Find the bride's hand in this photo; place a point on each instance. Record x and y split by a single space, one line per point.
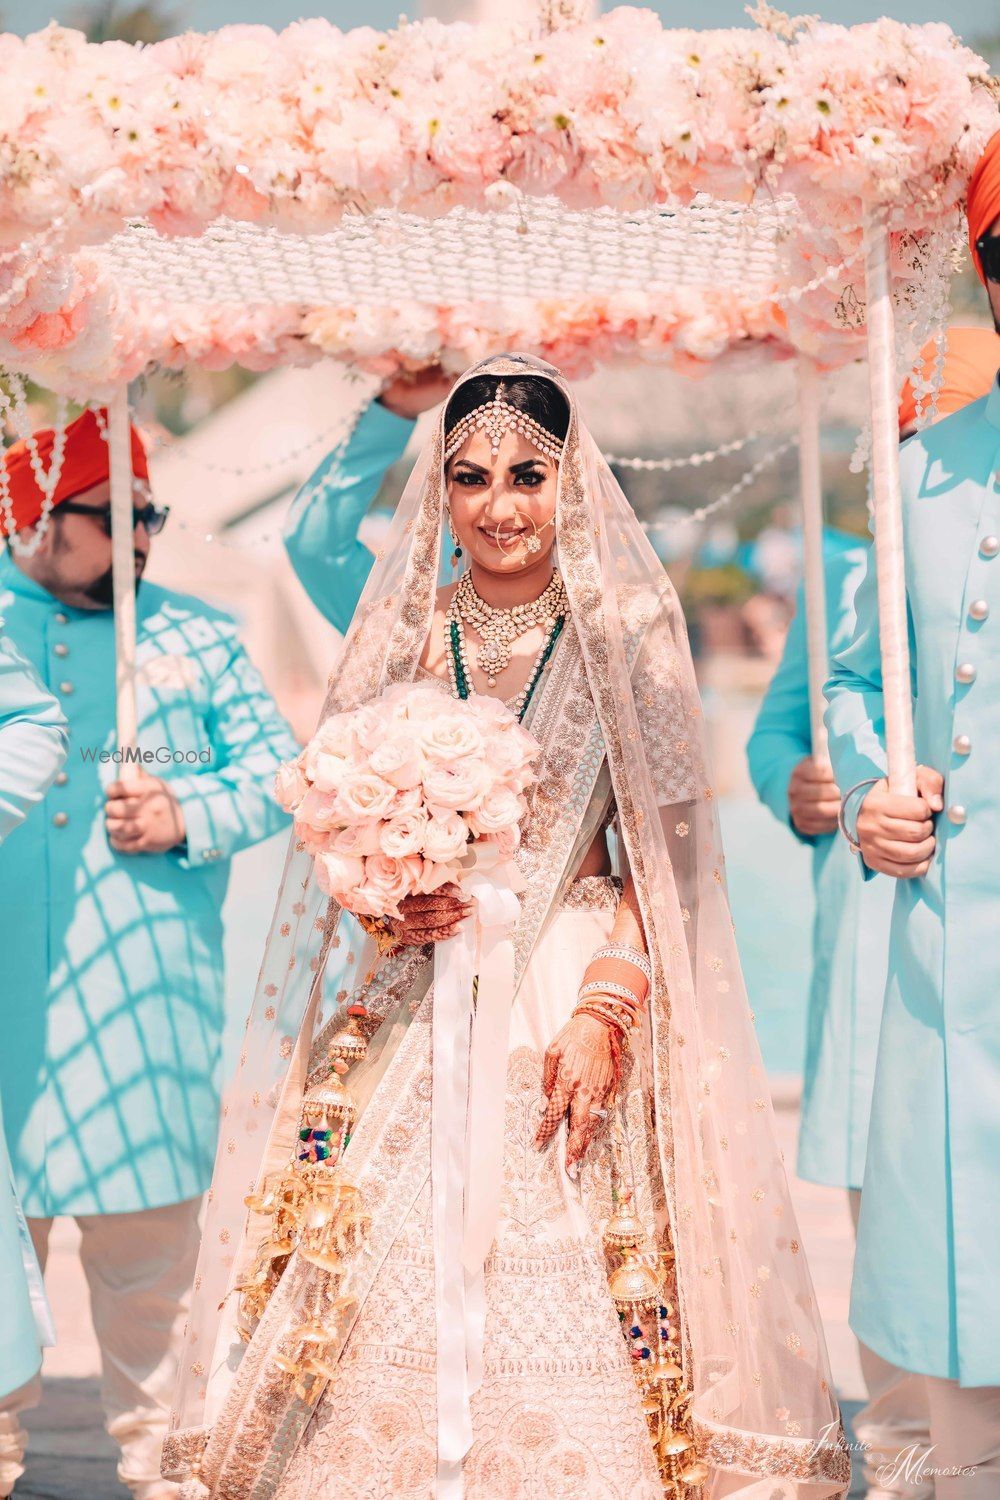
430 919
579 1075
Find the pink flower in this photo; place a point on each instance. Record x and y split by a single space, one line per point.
450 737
445 837
358 839
500 809
399 761
339 876
404 835
457 786
363 795
319 810
290 784
507 840
387 882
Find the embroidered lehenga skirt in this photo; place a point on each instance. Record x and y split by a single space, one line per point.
558 1413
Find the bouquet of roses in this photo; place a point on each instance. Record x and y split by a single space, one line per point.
388 797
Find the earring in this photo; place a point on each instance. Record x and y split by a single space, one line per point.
457 552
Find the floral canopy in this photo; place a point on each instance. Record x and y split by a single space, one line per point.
437 191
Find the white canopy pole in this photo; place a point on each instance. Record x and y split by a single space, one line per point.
888 509
811 491
123 576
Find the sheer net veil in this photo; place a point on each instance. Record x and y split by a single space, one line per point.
763 1407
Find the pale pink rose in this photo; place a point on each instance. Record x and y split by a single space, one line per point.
406 802
328 769
404 835
445 838
433 876
290 784
459 785
319 810
399 761
451 737
507 840
339 876
359 839
364 795
510 754
500 808
387 882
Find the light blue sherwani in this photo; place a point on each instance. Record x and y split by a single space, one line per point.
112 1006
32 749
321 532
851 926
926 1290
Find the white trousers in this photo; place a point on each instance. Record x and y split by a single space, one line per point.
139 1269
894 1422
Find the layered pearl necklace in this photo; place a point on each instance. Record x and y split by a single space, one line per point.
499 629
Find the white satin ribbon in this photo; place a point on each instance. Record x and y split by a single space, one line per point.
468 1072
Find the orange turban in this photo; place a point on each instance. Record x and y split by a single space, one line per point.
85 463
971 361
984 197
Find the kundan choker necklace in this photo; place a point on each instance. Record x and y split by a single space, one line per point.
499 628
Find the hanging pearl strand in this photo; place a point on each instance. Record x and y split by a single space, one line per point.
500 628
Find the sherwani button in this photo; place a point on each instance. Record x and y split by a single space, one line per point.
979 610
961 744
65 687
60 819
957 813
61 778
60 618
989 546
965 672
61 648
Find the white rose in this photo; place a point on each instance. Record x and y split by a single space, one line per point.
363 795
458 785
500 808
450 737
399 762
404 835
339 876
290 784
445 838
358 840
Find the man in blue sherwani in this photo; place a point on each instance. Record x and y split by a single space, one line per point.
112 1008
926 1293
32 749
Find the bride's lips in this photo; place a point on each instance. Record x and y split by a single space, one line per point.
503 538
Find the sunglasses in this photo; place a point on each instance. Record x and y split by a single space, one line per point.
988 249
153 517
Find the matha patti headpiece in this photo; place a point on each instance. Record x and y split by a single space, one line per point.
495 418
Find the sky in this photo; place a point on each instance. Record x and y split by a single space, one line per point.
970 18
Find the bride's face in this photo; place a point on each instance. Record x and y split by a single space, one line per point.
502 504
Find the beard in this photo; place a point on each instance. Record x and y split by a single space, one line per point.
102 591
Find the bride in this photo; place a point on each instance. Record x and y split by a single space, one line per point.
647 1323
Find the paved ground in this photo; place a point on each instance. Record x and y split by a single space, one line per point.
71 1458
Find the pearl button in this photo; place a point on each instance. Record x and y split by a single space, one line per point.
961 744
61 649
989 546
61 819
60 618
979 610
957 813
65 687
61 778
965 672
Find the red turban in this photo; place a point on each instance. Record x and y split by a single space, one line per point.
85 463
984 197
971 361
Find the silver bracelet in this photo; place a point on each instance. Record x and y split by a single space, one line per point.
627 955
853 844
600 987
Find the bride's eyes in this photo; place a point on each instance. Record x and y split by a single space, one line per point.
529 480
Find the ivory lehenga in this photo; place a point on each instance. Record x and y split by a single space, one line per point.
678 1236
